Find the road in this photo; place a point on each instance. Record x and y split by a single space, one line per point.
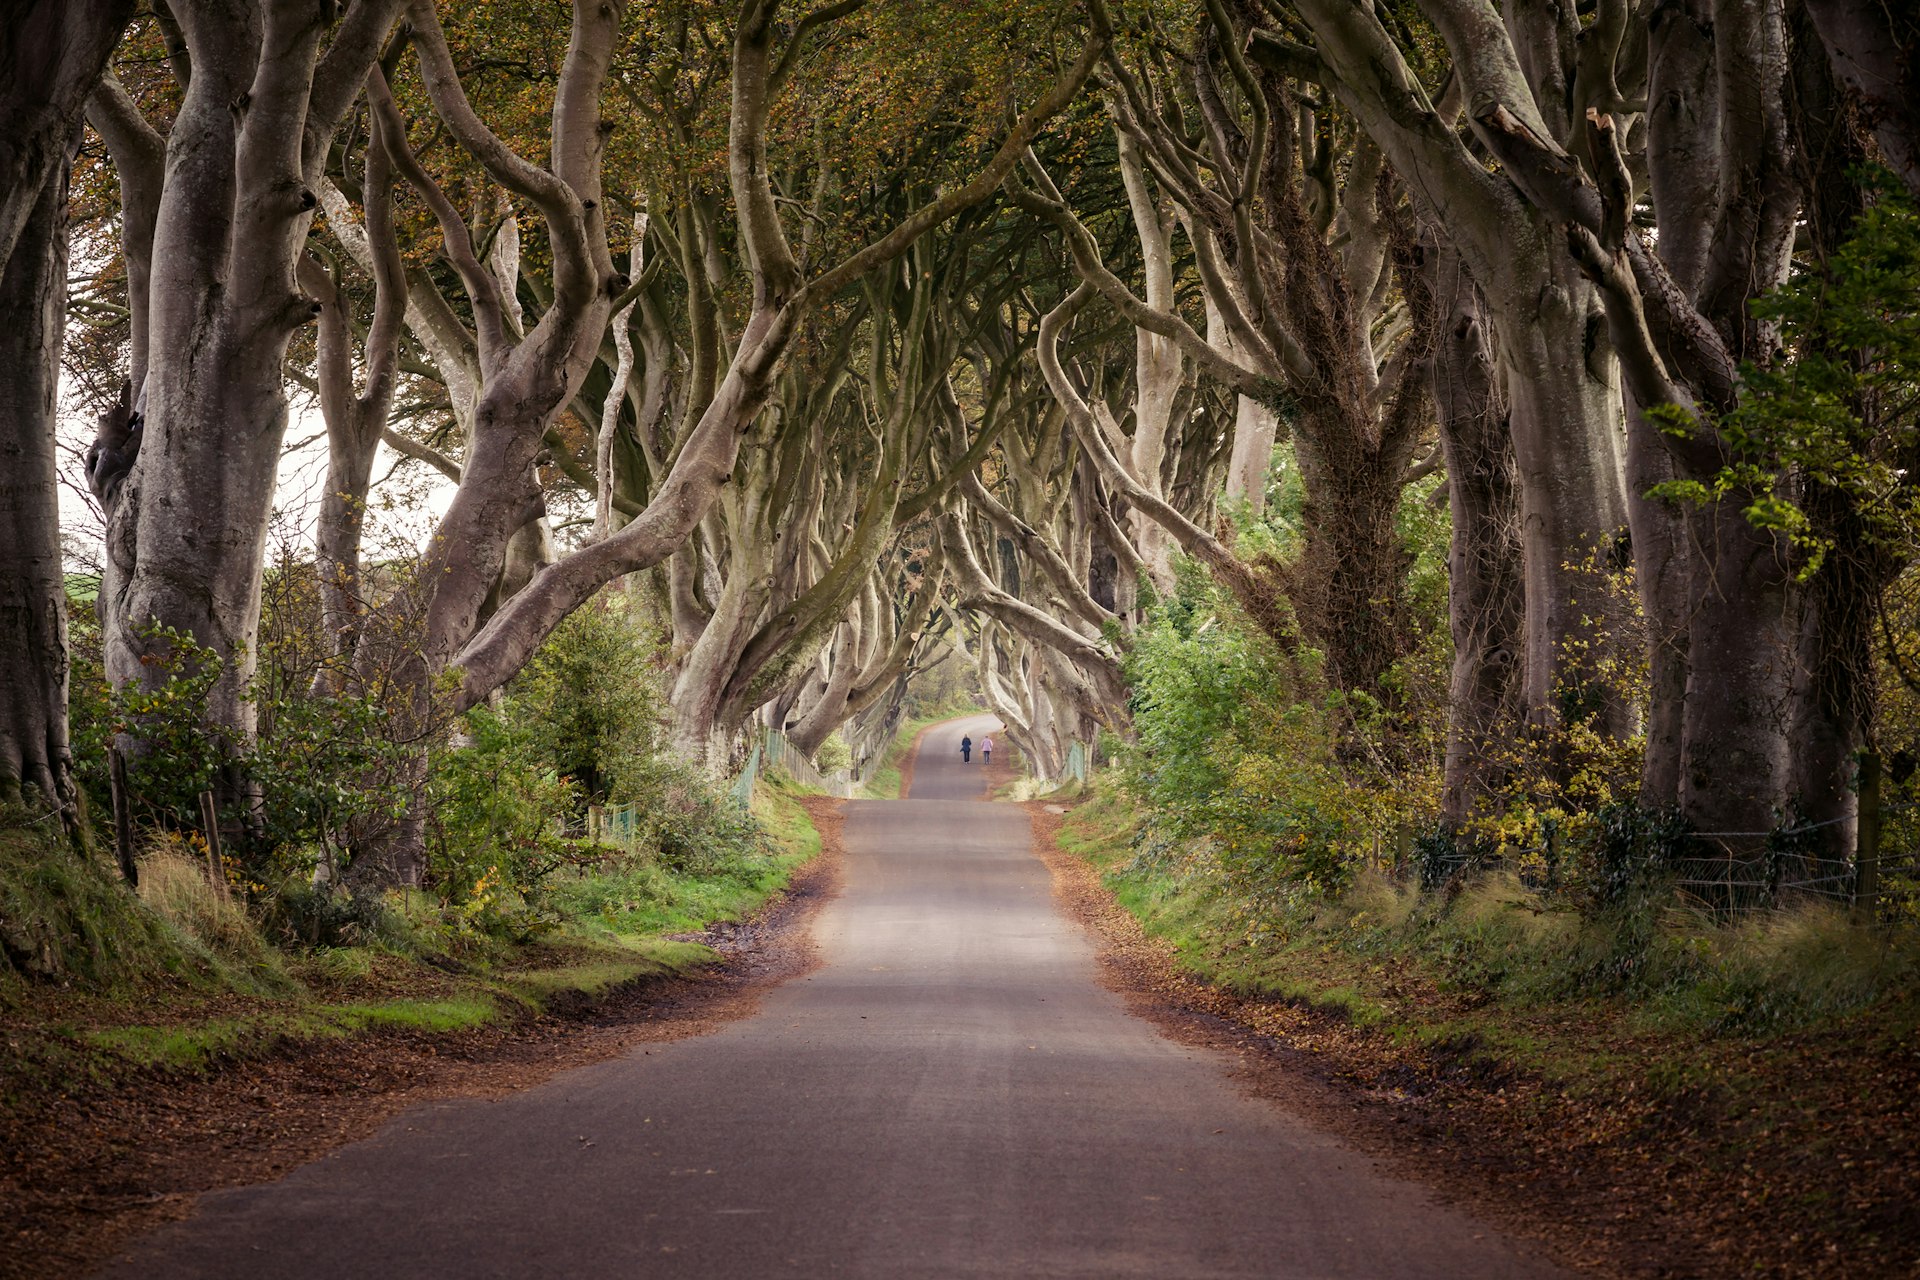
952 1093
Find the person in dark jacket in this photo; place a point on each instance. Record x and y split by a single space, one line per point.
966 749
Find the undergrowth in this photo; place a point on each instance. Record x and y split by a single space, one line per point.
181 976
1663 967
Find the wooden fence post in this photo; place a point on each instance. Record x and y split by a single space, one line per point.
210 827
1866 854
122 816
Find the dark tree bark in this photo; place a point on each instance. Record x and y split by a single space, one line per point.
1834 679
1485 594
52 54
1564 405
35 761
1875 48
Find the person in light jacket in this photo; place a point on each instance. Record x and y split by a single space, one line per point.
986 749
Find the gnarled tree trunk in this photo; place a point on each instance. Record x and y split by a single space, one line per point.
1485 594
36 765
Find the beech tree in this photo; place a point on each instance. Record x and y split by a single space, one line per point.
1564 407
827 377
53 54
213 289
783 294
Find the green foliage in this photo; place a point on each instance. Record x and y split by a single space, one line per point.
319 765
591 706
582 725
497 810
166 714
717 870
833 754
1839 412
1510 945
1290 786
325 764
68 918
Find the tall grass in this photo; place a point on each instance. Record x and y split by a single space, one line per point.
1675 968
66 917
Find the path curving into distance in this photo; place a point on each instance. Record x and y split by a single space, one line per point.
951 1093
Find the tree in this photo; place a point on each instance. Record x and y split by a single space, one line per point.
216 303
54 54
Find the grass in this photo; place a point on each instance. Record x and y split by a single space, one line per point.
64 916
102 983
1496 951
777 807
198 1046
1756 1077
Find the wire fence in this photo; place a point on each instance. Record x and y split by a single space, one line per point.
614 824
776 754
1079 765
1729 871
622 825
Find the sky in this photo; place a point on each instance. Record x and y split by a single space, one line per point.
302 474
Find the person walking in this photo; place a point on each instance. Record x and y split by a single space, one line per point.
986 750
966 749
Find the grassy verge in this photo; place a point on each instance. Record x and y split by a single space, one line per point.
203 990
1656 968
1756 1080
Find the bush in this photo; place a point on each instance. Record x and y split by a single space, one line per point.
582 724
320 765
1289 785
591 707
834 754
497 815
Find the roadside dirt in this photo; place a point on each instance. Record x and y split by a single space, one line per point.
1613 1186
98 1166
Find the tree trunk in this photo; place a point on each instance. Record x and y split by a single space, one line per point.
36 764
1485 594
1347 589
1875 47
1254 430
187 536
53 53
1741 648
698 697
1835 678
830 708
1834 681
1661 567
1566 443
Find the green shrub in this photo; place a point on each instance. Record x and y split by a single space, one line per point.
834 754
496 828
590 705
1291 786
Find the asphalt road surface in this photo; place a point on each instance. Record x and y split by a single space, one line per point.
951 1093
